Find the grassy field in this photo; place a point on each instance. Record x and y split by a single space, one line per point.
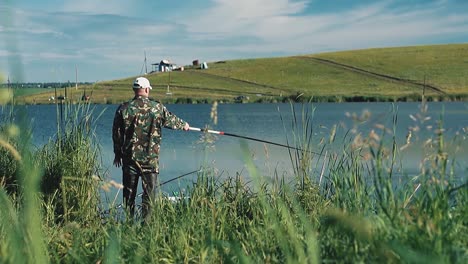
445 66
26 92
277 79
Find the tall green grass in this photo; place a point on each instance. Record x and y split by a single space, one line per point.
8 155
409 220
71 163
21 234
342 206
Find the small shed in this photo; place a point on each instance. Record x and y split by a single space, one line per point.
155 67
204 66
164 66
195 63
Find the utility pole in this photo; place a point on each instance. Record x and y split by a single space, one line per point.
168 92
9 86
146 66
76 78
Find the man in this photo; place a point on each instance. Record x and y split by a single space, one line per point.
136 134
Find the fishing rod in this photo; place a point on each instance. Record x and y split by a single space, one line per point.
249 138
178 177
161 184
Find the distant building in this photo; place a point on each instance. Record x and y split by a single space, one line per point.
164 66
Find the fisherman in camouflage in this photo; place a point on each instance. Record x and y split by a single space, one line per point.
136 134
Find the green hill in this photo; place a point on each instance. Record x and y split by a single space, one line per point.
383 74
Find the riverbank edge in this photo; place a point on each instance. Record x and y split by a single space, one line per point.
285 99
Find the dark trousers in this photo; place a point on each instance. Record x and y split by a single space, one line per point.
131 172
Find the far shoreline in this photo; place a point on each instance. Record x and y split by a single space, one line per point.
262 100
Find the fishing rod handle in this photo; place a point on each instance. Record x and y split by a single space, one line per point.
206 130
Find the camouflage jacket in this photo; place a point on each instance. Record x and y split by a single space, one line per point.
136 131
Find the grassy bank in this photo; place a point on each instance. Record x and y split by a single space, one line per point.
354 206
281 79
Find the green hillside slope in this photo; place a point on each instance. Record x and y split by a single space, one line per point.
445 66
402 73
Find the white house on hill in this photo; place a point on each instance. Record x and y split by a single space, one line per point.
165 66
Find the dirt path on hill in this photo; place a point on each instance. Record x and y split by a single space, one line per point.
374 74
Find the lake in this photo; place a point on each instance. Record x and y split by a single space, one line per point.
182 151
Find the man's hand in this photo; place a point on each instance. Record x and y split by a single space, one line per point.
186 127
117 161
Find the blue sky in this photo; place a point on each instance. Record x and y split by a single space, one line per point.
44 40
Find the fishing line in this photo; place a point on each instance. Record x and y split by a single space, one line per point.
249 138
158 186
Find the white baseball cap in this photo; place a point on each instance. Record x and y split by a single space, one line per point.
141 82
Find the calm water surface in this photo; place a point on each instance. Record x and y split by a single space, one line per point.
182 152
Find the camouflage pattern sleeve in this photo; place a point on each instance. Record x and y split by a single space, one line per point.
172 121
118 133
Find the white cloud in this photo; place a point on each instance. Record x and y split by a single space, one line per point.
5 53
227 16
279 26
151 30
28 23
114 7
246 9
112 35
37 30
55 56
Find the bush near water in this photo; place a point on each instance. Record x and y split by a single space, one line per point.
350 209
